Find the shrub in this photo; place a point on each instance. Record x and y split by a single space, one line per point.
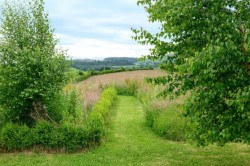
82 76
95 125
97 117
32 68
213 64
67 105
45 134
68 136
57 106
80 73
16 137
72 137
74 110
75 75
2 118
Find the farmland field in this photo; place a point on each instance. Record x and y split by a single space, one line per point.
129 141
91 88
95 81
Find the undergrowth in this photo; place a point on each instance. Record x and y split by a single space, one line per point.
71 133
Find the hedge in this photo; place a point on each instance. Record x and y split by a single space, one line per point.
64 136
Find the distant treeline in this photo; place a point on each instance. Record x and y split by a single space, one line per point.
112 63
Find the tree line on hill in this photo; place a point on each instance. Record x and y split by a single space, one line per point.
112 63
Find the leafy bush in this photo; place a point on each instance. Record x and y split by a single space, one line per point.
32 68
57 106
74 106
212 64
74 75
44 134
68 135
97 117
82 76
2 118
95 126
67 105
72 137
16 137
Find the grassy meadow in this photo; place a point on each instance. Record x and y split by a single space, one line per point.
91 88
140 130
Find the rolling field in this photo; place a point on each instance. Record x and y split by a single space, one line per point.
90 89
112 78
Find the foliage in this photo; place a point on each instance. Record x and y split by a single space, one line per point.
70 135
73 137
113 64
67 137
146 63
17 137
205 47
2 118
75 75
99 114
99 65
73 111
32 68
45 135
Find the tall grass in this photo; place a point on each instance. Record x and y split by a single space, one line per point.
163 115
128 88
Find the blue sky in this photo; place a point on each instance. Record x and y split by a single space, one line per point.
98 28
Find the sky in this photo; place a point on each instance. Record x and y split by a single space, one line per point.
95 29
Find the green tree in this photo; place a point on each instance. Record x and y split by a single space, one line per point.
32 68
209 41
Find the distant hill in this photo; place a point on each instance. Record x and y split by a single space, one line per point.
120 61
85 60
111 63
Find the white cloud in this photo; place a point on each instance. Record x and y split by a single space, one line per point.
94 29
98 49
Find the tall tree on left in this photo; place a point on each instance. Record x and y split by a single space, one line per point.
32 68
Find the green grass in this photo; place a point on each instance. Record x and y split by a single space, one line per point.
130 142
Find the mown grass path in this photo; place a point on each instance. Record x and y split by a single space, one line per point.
129 142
